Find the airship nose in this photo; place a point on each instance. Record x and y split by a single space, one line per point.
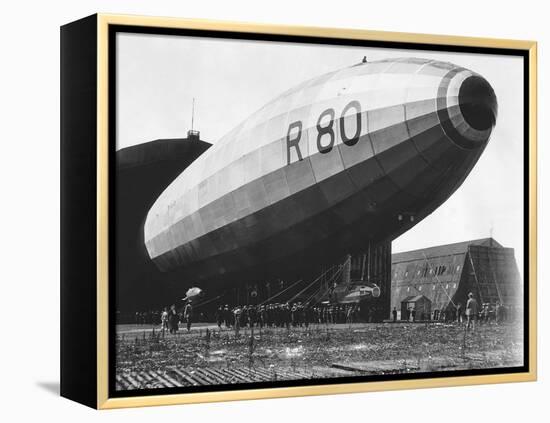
470 112
478 103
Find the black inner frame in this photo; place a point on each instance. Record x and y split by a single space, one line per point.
112 49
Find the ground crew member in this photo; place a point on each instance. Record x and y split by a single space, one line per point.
294 315
308 315
263 316
349 314
188 315
394 314
173 319
498 313
252 316
164 320
219 316
286 314
237 313
486 313
471 311
341 315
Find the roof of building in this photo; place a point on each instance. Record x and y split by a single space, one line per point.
443 250
159 151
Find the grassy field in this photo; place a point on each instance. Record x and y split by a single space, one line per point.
146 358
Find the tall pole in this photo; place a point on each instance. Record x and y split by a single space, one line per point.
368 263
364 266
193 115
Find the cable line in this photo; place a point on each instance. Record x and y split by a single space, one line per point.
280 292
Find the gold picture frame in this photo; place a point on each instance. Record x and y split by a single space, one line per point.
100 360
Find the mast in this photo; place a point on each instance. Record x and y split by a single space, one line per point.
363 267
368 264
193 115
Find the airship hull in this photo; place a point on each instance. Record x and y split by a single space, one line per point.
360 154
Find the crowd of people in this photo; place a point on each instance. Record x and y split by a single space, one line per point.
284 315
169 318
302 315
485 313
264 315
471 313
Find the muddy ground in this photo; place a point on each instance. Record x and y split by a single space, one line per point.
146 358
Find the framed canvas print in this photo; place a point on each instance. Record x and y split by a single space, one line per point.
254 211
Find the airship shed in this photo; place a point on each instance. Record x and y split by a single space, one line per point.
445 275
142 172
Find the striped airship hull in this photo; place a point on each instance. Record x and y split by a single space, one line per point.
357 155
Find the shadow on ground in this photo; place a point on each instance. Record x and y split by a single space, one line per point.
51 387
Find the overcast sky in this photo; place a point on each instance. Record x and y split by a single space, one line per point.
158 76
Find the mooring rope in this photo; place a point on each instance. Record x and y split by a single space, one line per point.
329 284
207 301
314 281
280 292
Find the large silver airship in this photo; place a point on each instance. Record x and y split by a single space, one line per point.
355 156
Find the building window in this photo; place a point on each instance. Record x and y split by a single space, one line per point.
440 270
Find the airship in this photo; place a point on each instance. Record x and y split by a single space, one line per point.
353 157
